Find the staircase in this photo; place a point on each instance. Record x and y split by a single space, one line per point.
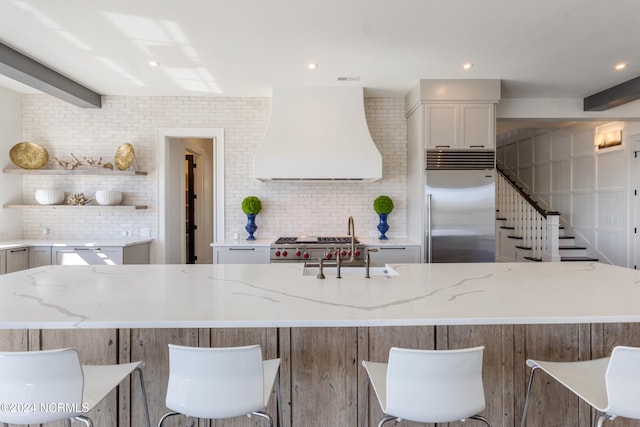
527 233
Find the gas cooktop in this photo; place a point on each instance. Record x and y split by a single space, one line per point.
313 240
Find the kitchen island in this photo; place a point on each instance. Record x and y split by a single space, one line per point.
322 328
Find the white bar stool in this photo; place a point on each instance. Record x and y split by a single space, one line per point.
222 382
429 386
50 385
611 385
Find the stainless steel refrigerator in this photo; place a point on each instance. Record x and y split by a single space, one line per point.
460 206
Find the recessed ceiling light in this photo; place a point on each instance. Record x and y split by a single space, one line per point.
153 63
467 66
620 66
312 65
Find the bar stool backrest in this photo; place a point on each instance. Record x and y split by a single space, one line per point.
40 386
435 385
214 383
623 382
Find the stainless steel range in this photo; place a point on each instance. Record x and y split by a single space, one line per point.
311 248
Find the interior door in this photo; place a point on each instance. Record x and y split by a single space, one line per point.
635 204
190 202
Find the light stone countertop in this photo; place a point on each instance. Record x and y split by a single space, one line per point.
392 241
9 244
243 242
278 295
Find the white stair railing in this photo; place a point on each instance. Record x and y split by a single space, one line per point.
539 231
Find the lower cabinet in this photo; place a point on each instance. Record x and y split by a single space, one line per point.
394 255
103 255
17 259
241 254
21 258
39 256
87 256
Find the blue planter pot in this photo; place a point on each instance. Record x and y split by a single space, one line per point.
251 226
383 227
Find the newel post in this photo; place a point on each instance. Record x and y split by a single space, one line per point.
552 252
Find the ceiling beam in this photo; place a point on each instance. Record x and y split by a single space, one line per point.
614 96
19 67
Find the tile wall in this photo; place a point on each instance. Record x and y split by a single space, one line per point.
288 208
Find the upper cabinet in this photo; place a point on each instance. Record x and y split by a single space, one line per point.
445 114
453 125
477 125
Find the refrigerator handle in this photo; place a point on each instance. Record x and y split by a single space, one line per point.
428 260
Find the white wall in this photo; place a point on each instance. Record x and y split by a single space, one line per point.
288 208
10 185
589 187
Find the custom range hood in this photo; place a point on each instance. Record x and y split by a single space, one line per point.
317 134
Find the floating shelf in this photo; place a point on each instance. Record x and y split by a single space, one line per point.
121 207
94 171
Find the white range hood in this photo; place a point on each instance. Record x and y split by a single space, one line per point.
318 134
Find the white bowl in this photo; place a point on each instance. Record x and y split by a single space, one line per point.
49 197
108 198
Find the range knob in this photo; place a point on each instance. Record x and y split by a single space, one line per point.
284 253
357 253
277 253
343 252
329 255
298 253
306 255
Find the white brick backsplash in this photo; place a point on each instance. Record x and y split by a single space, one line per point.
288 208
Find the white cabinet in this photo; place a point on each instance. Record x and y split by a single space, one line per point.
103 255
241 254
394 255
39 256
452 125
3 261
17 259
86 256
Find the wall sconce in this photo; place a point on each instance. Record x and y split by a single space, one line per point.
607 137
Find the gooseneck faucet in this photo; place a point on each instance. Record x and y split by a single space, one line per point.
351 231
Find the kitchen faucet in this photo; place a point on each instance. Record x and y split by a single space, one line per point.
367 262
352 261
351 231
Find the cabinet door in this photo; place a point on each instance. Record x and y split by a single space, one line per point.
441 126
394 255
39 256
241 255
3 261
87 256
477 126
17 259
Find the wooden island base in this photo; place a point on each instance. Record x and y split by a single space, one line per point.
322 380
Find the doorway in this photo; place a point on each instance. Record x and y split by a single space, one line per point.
190 202
208 147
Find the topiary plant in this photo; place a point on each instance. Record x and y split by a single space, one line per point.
383 205
251 205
